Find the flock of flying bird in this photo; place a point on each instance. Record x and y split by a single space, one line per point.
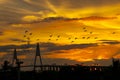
76 38
28 34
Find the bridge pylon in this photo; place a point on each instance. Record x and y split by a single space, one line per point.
39 56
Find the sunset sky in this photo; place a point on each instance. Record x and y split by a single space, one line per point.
69 31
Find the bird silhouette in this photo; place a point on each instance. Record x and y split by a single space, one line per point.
58 36
24 35
72 41
83 37
88 37
76 38
56 39
96 37
26 31
49 39
30 34
37 39
91 32
69 38
51 35
85 30
113 32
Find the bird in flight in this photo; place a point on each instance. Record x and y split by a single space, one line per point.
24 35
49 39
72 41
113 33
76 38
50 35
88 37
83 37
96 37
84 28
26 31
37 39
69 38
91 32
30 33
58 36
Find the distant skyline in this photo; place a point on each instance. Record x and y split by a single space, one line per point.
69 31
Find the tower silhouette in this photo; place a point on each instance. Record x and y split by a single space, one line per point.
17 62
37 55
15 59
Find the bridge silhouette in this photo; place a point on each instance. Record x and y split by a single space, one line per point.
57 72
17 63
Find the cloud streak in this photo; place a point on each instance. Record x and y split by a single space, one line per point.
52 8
75 52
87 54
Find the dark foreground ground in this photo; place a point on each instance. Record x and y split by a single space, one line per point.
63 74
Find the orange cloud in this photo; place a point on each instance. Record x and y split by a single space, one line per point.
97 18
30 18
86 54
22 56
117 55
2 54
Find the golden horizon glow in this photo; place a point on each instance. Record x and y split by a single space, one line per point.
87 54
